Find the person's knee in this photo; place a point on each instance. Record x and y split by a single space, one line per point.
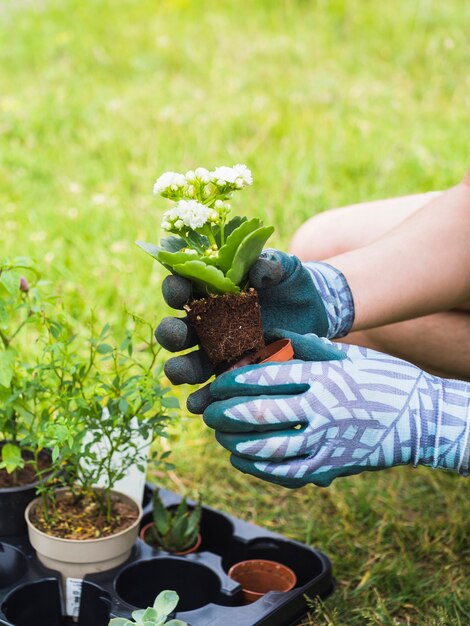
318 238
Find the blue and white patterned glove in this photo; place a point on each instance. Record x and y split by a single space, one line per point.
310 422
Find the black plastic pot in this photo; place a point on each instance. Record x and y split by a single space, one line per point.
13 503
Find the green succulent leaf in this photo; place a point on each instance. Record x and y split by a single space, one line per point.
149 248
165 603
206 277
228 251
149 615
138 615
173 243
170 259
120 621
161 515
247 253
229 228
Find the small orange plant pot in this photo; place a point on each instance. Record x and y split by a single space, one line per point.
258 576
276 352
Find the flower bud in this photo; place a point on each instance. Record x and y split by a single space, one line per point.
24 285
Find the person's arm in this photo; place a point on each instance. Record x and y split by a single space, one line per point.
420 267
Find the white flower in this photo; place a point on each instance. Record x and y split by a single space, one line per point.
223 175
203 174
244 173
238 176
169 181
190 176
189 213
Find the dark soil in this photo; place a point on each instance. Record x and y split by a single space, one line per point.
81 517
26 475
228 326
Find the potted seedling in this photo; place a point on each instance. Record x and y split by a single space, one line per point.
79 528
174 529
215 253
24 309
165 603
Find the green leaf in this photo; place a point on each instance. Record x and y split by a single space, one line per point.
12 458
149 248
206 277
176 622
173 243
170 402
7 361
150 614
170 259
161 516
229 249
120 621
229 227
247 253
10 280
104 348
3 317
165 603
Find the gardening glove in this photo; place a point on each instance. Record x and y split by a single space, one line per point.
296 297
309 422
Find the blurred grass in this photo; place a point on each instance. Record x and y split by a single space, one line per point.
328 102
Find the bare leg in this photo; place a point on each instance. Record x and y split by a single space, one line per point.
437 343
347 228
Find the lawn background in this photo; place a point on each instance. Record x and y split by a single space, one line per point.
329 103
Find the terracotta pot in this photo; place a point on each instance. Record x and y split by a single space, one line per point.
258 576
74 558
276 352
194 548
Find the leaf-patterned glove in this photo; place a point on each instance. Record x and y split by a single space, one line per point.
296 297
310 422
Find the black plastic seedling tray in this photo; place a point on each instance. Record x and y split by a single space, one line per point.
31 595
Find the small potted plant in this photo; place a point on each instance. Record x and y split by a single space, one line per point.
174 529
156 615
215 253
25 306
99 402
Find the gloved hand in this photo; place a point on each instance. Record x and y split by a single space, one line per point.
309 422
294 297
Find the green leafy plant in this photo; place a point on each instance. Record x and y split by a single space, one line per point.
174 530
25 308
214 253
100 406
165 603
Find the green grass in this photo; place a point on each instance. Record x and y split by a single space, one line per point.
328 102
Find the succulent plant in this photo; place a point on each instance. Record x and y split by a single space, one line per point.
214 253
174 530
165 603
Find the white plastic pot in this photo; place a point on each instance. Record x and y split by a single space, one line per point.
74 558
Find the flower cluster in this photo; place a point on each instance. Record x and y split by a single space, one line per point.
201 198
188 214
